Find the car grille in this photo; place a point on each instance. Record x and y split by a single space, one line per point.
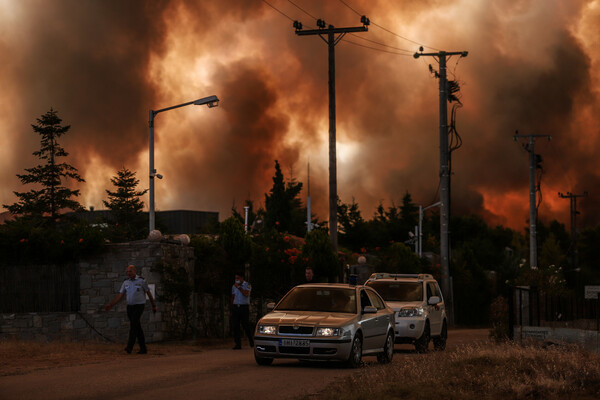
324 350
294 350
298 330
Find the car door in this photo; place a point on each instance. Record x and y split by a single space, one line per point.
368 322
383 319
435 310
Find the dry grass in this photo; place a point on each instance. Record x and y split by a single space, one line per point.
479 371
20 357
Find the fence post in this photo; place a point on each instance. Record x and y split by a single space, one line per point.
511 310
598 313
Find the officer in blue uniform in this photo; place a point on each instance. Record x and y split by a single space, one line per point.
134 289
240 310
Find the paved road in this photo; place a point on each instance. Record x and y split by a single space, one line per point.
214 374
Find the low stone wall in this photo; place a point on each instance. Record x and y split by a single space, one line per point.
100 281
589 340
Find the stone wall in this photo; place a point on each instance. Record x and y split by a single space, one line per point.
100 281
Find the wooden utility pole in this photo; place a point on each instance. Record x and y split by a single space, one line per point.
444 169
329 36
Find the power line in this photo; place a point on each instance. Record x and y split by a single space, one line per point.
387 30
278 10
409 52
302 9
374 48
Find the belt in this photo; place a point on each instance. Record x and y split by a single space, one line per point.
241 305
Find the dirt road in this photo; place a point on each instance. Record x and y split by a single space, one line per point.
214 374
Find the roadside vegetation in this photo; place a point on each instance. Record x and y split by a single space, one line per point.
479 371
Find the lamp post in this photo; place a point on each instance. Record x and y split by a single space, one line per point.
210 101
420 230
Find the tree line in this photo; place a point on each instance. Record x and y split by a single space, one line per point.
277 249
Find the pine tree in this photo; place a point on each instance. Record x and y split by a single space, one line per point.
126 206
52 197
283 205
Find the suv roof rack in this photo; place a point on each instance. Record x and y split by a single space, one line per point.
385 275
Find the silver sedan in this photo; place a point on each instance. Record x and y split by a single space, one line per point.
326 322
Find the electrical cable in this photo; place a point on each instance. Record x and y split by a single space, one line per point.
303 10
278 10
373 48
382 44
387 30
408 52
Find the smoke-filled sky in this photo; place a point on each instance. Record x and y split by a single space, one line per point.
103 64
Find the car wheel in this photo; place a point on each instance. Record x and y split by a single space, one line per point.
439 343
355 357
263 360
388 350
422 343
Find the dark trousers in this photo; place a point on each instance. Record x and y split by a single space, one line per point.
240 315
134 313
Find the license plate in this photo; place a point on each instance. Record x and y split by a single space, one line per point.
294 342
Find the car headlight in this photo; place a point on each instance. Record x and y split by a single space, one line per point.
411 312
329 331
267 329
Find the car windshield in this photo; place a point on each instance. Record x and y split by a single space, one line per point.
398 291
342 300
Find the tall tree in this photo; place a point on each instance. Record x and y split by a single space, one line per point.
409 212
126 205
283 205
49 176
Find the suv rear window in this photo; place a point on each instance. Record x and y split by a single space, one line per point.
398 291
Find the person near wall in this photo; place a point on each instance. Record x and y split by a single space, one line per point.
240 310
134 289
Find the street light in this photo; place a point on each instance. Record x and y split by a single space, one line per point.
210 101
420 233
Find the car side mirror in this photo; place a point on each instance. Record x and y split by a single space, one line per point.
270 307
369 310
433 300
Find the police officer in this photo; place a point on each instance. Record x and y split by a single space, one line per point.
135 288
240 310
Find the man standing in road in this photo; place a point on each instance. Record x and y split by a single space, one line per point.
240 310
135 289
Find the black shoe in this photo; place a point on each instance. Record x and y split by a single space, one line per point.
251 344
237 347
144 351
128 350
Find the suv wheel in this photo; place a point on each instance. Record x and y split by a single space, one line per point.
355 357
422 343
388 350
263 360
439 343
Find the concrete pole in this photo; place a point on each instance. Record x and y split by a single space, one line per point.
332 144
444 178
532 206
152 172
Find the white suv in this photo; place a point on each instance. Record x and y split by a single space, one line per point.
418 308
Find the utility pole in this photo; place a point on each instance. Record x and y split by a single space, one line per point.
308 211
442 57
574 212
329 36
533 161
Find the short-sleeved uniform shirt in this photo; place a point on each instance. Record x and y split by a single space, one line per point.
238 297
134 290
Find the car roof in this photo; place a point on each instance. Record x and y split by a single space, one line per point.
330 285
384 276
